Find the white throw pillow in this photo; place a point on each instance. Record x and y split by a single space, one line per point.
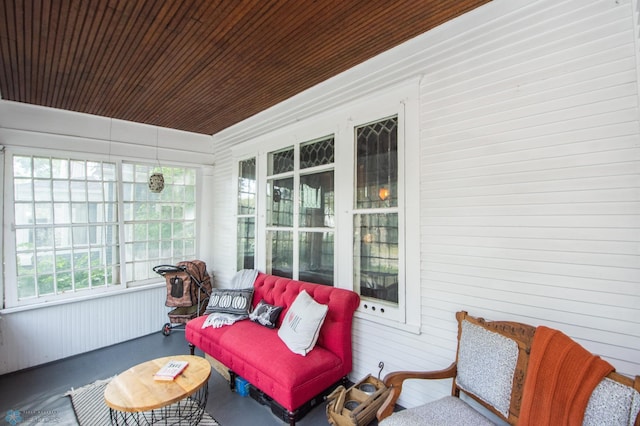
301 326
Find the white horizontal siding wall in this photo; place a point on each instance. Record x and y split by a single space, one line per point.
530 177
530 174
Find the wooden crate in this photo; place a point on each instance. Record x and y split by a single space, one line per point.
222 369
355 407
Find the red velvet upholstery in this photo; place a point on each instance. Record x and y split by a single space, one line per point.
257 354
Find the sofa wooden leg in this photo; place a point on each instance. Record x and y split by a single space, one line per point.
192 348
292 418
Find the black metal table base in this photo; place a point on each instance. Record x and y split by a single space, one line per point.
188 411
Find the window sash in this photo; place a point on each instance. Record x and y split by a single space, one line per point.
300 211
68 218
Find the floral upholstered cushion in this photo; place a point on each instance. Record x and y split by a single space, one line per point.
444 411
613 404
486 365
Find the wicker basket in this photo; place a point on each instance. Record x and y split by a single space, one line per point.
183 314
357 405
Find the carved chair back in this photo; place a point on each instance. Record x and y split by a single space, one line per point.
492 361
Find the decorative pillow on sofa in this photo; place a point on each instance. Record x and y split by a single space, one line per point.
230 301
301 326
266 314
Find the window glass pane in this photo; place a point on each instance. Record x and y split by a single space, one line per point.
81 279
280 162
110 191
45 262
317 200
22 166
189 177
23 214
94 171
178 248
96 235
45 284
377 164
190 210
142 173
60 168
61 190
42 190
109 172
280 255
24 239
79 213
77 170
127 172
42 167
178 212
23 189
63 237
178 193
44 238
64 281
80 236
26 286
375 262
44 213
280 202
78 190
246 243
62 213
316 257
317 153
95 191
178 230
189 229
247 187
25 263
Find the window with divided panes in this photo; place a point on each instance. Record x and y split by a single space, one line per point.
300 211
375 219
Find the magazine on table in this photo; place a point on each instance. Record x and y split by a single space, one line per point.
171 370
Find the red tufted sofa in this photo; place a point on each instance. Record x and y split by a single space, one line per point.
292 384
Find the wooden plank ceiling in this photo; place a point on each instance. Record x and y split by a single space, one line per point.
195 65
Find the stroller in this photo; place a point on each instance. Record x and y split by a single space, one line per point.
188 290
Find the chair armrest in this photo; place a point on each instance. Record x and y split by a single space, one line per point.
394 381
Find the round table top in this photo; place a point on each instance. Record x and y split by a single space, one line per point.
137 390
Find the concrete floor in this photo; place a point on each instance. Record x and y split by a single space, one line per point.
38 393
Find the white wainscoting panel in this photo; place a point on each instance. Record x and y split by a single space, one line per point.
36 336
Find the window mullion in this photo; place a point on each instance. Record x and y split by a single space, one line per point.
296 211
121 224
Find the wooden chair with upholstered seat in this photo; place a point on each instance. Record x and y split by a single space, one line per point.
490 368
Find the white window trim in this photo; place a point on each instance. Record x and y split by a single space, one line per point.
235 177
401 100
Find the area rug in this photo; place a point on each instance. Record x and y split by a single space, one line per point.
90 409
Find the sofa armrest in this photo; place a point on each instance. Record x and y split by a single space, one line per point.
394 381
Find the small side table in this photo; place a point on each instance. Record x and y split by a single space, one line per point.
134 397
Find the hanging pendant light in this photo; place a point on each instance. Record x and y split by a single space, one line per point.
156 179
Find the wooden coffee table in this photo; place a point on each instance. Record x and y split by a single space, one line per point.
134 397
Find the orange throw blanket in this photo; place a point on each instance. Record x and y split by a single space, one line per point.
561 376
